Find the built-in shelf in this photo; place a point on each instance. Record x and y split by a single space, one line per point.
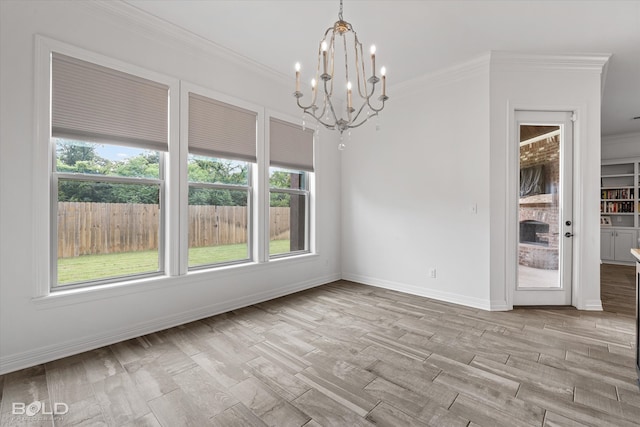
619 208
619 190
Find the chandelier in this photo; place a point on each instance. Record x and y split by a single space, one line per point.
322 107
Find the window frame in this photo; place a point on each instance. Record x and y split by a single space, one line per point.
254 183
55 176
250 230
310 193
307 206
85 177
174 191
45 176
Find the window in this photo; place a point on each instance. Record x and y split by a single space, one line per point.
288 207
222 150
291 154
109 135
148 176
219 211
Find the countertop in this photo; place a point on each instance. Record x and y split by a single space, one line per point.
636 253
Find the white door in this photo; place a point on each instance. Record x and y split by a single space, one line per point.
544 208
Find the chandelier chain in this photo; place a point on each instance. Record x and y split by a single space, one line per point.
340 13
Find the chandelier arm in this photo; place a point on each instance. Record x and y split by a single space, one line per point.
333 111
359 64
376 110
318 118
326 125
299 95
346 60
362 122
355 118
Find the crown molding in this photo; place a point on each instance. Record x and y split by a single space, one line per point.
150 26
574 62
595 62
443 76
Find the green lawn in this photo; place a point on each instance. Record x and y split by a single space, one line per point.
95 267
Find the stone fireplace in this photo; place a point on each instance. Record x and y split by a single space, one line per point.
534 232
538 247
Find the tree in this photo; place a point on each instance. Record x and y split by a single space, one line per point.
209 196
280 179
70 153
82 158
201 169
139 166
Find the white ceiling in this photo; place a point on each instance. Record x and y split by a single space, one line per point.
416 37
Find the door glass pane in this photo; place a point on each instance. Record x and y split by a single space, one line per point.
539 227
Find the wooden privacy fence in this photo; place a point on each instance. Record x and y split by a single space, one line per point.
86 228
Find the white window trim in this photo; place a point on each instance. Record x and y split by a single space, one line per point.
311 188
176 253
255 234
43 165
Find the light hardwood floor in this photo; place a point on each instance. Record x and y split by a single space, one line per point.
346 354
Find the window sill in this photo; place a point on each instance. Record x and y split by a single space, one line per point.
66 297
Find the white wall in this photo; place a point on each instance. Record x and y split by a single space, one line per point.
408 190
404 194
621 146
552 83
32 331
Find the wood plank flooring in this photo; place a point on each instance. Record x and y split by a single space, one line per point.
346 354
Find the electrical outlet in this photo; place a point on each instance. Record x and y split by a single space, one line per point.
432 273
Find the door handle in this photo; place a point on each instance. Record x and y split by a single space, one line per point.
567 234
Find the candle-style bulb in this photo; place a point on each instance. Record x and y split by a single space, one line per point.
373 61
313 83
323 46
297 78
349 86
383 71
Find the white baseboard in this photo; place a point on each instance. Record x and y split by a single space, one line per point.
500 305
593 305
420 291
48 353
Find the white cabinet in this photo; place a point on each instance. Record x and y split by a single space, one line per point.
606 244
616 244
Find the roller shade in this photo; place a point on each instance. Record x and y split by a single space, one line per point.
95 103
217 129
290 146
